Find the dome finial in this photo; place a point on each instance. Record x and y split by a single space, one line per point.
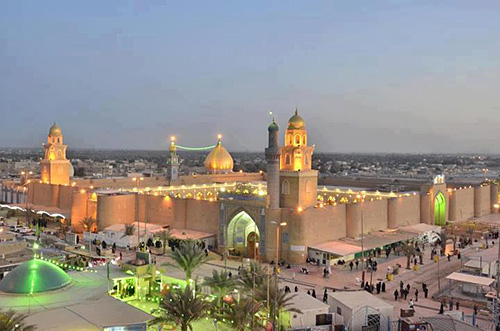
296 110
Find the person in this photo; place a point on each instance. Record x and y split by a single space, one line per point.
458 305
475 309
309 292
424 285
357 263
426 292
396 294
451 304
383 287
351 265
293 275
459 256
121 256
401 285
412 305
378 287
362 284
408 287
314 293
449 257
296 289
325 296
405 293
416 295
441 308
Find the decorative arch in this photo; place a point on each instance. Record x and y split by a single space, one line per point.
285 187
243 235
290 139
287 159
297 139
440 209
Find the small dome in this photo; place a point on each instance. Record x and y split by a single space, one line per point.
296 122
55 130
273 126
219 159
34 276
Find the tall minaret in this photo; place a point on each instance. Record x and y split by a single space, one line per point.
273 166
173 162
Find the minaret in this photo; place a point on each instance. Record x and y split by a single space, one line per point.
273 166
55 167
173 162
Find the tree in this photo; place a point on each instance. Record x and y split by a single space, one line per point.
221 284
164 237
183 307
409 250
253 277
279 301
10 320
129 230
443 238
240 314
189 257
88 223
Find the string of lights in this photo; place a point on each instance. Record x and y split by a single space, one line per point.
195 148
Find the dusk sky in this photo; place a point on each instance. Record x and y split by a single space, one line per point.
367 76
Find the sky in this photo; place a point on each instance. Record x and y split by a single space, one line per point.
367 76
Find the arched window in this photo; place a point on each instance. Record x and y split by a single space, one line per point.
287 159
304 139
297 139
308 187
58 140
285 187
290 139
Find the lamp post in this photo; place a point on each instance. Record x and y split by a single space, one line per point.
278 227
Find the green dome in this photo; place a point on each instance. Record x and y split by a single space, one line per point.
273 126
34 276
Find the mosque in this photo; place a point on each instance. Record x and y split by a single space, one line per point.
282 214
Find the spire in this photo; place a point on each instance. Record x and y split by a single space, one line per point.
296 111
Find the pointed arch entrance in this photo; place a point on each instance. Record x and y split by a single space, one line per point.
440 209
243 236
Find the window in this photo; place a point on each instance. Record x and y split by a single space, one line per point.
297 139
304 139
285 188
287 159
306 159
290 139
58 140
308 187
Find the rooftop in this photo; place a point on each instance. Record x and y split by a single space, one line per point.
358 299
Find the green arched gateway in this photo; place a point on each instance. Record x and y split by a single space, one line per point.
440 209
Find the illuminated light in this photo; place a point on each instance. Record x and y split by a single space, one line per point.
91 187
172 138
496 205
300 209
134 179
219 136
241 171
82 191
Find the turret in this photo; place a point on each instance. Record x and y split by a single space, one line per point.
273 166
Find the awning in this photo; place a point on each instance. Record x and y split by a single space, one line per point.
39 209
183 234
337 248
471 279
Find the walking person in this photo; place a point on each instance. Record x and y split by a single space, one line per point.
396 294
412 305
451 304
441 308
426 292
351 265
458 305
405 293
357 263
416 295
325 296
383 287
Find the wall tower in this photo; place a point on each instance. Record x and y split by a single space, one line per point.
55 168
273 166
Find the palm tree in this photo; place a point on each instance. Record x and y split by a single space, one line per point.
183 307
443 237
188 257
129 230
255 276
64 228
220 283
164 237
409 250
279 301
10 320
29 215
241 313
87 223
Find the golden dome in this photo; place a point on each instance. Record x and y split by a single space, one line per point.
219 159
296 122
55 130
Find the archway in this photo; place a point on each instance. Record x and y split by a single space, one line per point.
243 236
440 209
